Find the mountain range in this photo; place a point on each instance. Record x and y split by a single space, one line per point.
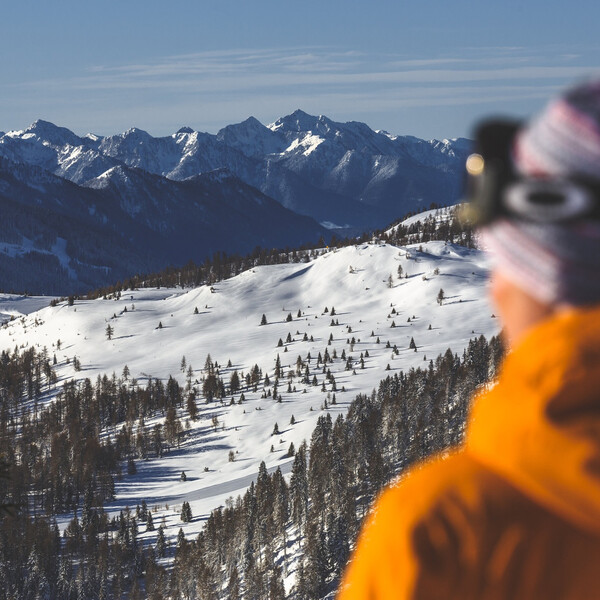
80 212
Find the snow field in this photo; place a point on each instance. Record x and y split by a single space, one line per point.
354 280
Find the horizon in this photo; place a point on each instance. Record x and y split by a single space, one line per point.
183 127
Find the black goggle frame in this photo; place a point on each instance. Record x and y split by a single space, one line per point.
494 189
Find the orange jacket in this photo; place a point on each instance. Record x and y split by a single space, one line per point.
515 513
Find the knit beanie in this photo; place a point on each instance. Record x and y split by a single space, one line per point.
557 263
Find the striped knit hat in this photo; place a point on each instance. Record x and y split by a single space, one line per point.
558 263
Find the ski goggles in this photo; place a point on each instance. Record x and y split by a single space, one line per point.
494 189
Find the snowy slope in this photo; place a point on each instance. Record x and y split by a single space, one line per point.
354 280
13 306
438 214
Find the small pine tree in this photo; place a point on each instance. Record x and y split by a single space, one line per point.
263 321
186 512
275 430
196 310
412 344
149 522
288 318
160 325
180 538
161 542
109 332
291 450
441 297
293 420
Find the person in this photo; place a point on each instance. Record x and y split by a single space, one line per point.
515 512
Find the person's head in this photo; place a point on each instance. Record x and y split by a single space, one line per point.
535 192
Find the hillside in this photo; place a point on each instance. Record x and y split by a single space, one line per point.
57 237
353 280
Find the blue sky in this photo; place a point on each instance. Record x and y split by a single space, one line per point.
428 68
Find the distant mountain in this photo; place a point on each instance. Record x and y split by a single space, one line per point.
344 175
131 201
57 237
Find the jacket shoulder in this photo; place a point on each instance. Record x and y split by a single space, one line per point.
421 524
454 529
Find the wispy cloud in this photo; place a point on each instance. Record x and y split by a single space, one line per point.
254 69
248 81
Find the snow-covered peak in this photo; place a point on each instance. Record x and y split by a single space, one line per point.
137 134
185 130
52 134
252 138
14 133
385 133
298 121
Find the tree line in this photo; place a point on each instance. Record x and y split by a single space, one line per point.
222 265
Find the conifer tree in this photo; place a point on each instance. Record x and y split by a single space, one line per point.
186 512
161 543
234 382
234 586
